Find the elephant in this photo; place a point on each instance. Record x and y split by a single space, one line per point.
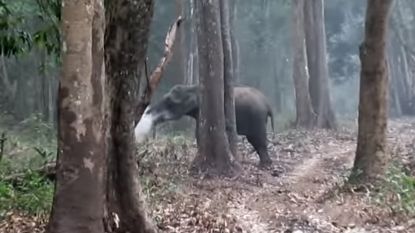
251 114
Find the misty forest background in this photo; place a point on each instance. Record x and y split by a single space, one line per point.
264 59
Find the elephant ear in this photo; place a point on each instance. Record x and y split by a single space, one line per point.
176 96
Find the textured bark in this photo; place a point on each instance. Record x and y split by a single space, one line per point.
192 62
234 42
305 114
404 37
229 100
78 204
315 33
10 88
394 104
214 154
372 157
180 50
128 25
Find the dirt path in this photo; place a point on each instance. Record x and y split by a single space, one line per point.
300 194
292 195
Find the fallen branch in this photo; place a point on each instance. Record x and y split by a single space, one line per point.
47 170
155 76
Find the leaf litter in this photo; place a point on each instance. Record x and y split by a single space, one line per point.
303 192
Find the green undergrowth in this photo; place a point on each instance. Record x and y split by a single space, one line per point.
398 191
27 146
26 192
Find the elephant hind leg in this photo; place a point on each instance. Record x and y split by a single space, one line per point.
259 142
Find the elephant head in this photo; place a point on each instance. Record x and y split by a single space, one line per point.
179 101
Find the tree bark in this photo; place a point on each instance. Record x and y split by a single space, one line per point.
372 157
10 88
214 154
305 114
234 42
128 26
229 100
78 204
192 72
315 34
179 60
395 104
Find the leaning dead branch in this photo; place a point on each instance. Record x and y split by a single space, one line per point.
47 170
155 76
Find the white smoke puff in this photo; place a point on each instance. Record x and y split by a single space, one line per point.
143 127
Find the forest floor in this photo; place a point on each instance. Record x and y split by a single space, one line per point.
305 190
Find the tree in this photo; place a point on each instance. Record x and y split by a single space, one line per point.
81 154
192 74
305 113
214 154
97 178
401 55
371 155
234 41
125 49
229 100
315 34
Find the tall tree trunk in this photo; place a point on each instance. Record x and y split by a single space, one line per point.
125 47
51 107
193 72
395 104
409 108
372 157
180 48
229 100
214 154
9 87
305 115
234 42
315 34
78 204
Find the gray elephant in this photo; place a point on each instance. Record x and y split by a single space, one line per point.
251 111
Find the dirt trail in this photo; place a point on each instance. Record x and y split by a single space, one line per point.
300 194
261 209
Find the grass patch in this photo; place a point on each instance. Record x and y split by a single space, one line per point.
398 191
30 193
27 146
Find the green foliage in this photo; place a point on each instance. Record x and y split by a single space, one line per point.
48 37
32 194
13 39
16 19
398 191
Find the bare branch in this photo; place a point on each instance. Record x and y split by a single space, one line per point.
156 75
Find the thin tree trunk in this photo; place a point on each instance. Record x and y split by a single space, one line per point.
406 75
372 157
214 154
78 204
9 87
395 109
234 42
305 115
229 100
315 33
194 54
51 109
128 26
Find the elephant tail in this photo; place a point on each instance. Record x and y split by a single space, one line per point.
271 116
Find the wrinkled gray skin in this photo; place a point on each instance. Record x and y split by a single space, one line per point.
251 108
